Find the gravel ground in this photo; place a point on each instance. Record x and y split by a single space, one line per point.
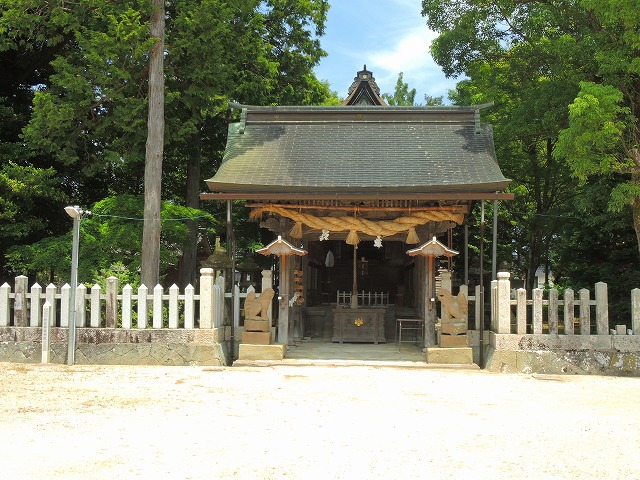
357 422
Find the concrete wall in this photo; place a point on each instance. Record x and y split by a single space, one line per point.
111 346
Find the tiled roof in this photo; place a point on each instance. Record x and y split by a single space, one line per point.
359 149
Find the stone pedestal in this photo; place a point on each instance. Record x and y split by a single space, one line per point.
257 331
450 356
261 352
256 338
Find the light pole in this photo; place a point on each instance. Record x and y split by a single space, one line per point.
75 213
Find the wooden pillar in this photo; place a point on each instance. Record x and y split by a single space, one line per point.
354 289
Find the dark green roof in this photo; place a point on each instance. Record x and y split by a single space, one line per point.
359 149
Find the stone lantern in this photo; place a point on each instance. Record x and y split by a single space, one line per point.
219 260
249 272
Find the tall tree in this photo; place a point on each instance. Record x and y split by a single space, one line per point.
87 119
543 50
150 272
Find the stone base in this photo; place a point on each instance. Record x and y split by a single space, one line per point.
256 338
453 341
261 352
450 356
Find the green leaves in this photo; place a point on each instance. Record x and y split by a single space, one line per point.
592 142
22 188
110 234
402 96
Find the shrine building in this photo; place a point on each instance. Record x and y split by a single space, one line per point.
358 188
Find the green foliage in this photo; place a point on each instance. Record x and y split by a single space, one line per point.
595 244
591 141
534 59
119 271
402 96
110 235
434 101
22 188
75 109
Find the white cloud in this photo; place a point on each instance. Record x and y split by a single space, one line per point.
409 53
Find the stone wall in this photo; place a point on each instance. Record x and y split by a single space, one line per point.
111 346
564 354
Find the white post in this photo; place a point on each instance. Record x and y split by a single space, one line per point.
635 311
50 296
20 302
111 320
537 311
81 310
504 303
206 298
189 306
127 296
585 312
602 309
36 305
157 306
553 311
46 333
521 311
65 305
5 306
173 306
95 306
143 307
568 311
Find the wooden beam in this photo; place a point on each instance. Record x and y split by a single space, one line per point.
452 196
351 208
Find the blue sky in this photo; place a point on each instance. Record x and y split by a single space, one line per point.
388 36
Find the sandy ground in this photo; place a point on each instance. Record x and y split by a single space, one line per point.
59 422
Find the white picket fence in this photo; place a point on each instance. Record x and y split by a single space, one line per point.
126 309
510 315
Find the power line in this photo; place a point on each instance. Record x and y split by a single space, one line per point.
136 219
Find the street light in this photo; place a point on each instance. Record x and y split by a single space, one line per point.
75 213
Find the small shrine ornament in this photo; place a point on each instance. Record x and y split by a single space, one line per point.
358 322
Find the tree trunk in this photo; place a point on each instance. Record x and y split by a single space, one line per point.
154 152
635 204
188 261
